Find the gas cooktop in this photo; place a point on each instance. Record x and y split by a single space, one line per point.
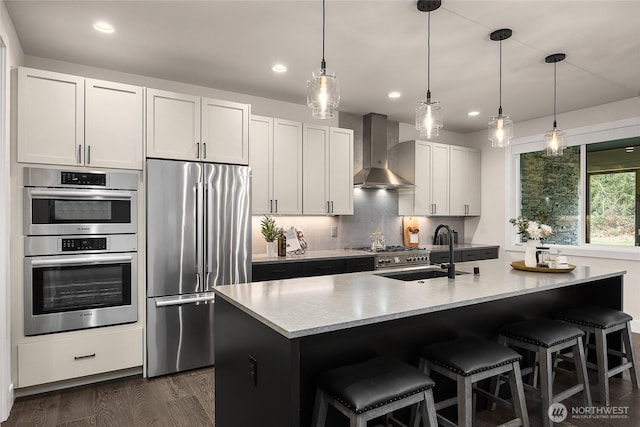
399 256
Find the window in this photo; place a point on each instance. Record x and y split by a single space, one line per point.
589 196
613 193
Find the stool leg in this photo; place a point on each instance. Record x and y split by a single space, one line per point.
319 410
546 384
631 355
603 366
465 406
414 419
517 394
581 371
428 409
359 422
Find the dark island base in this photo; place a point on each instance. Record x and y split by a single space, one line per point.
280 392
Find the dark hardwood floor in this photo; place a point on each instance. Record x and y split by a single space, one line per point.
187 399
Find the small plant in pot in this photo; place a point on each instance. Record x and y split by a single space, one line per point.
270 232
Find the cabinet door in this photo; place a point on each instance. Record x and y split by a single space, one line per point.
422 192
472 169
440 179
458 181
173 125
225 132
50 117
315 167
260 160
341 171
287 167
113 125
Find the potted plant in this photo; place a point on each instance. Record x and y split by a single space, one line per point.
270 232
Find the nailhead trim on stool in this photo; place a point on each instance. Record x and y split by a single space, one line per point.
373 388
468 360
602 321
546 338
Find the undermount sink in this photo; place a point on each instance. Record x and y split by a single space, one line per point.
421 274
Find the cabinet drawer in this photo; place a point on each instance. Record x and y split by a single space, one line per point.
276 271
359 264
61 359
441 257
479 254
323 267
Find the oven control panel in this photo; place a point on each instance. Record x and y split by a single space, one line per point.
83 178
401 259
89 244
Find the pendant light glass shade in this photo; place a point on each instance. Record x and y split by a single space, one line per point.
429 118
500 127
323 90
323 94
428 112
554 139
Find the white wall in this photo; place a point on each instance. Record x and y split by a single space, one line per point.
490 227
12 56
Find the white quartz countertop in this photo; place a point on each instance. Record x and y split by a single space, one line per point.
313 305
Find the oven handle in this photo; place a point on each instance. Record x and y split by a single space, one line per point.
183 300
80 194
82 260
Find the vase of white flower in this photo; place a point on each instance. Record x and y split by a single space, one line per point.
530 253
533 232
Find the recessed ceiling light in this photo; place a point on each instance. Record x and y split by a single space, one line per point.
103 27
279 68
629 149
394 94
473 113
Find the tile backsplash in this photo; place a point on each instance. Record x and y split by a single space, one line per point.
374 210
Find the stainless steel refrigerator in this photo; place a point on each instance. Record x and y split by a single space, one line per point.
198 236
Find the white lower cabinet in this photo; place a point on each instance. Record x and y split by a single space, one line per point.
327 170
66 358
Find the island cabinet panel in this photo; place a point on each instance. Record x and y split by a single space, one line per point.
257 373
280 392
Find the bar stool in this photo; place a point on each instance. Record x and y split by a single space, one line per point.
546 338
374 388
467 360
601 321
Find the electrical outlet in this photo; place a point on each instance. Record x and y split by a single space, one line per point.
334 231
253 371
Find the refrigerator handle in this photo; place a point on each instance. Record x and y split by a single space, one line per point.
199 234
206 241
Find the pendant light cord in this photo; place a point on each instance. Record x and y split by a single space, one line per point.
555 125
429 57
323 64
500 85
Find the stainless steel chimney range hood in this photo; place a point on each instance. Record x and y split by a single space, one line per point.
375 172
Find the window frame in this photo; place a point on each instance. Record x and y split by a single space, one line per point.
582 136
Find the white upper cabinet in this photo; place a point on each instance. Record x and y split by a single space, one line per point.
440 179
465 181
113 125
187 127
275 157
225 132
173 125
426 164
341 171
73 121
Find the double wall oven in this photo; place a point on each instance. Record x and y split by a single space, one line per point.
80 247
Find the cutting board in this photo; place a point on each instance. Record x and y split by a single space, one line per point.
410 231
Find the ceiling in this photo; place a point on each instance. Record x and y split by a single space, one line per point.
374 47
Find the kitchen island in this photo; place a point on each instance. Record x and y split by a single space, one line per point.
273 338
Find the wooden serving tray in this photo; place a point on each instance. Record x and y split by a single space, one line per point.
519 265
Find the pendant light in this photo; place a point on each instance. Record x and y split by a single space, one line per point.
323 90
500 126
554 139
429 112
